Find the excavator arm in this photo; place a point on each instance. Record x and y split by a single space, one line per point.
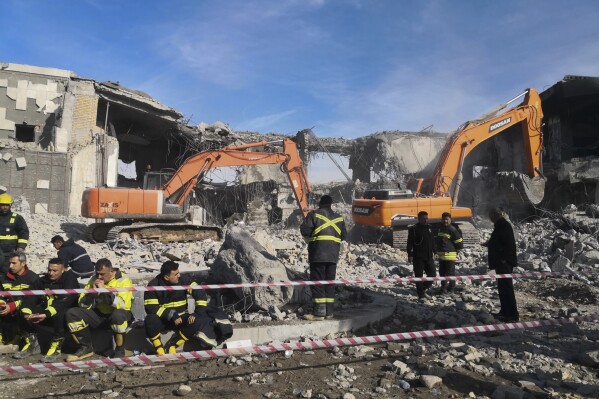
167 203
529 114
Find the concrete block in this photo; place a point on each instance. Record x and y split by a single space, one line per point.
41 207
21 162
7 156
43 184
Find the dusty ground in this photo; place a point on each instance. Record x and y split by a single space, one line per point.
364 370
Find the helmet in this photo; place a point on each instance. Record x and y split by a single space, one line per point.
5 199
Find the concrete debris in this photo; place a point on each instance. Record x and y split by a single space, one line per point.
241 260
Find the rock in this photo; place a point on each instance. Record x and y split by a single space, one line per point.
242 260
589 358
560 264
403 384
430 381
348 396
183 390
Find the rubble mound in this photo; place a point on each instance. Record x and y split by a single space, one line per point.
243 260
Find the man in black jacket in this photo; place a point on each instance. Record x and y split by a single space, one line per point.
73 256
324 230
50 310
421 249
167 310
503 258
14 233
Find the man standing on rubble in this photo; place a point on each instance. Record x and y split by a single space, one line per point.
449 242
73 256
167 310
14 233
421 249
113 309
324 230
502 258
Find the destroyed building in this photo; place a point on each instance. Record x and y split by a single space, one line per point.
60 133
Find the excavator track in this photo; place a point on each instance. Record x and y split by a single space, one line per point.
470 235
163 232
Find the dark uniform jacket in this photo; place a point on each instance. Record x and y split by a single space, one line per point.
75 256
169 305
502 248
52 304
448 242
324 229
14 232
421 242
26 281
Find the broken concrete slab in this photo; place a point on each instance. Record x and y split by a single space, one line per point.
21 162
7 157
242 259
43 184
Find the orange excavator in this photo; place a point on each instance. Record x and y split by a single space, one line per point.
399 208
160 214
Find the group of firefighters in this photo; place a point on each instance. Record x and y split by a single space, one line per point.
24 318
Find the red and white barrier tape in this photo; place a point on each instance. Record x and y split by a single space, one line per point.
279 347
288 283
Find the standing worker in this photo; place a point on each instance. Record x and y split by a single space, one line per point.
73 256
113 309
14 233
449 243
324 230
421 249
503 258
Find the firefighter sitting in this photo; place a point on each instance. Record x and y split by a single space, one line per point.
167 310
94 310
50 310
12 309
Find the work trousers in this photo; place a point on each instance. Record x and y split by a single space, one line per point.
11 325
422 266
79 319
507 298
323 271
57 322
447 268
201 329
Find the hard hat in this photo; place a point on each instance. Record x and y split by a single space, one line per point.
5 199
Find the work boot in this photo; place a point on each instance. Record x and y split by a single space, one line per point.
330 310
176 341
319 312
157 345
53 351
85 348
30 346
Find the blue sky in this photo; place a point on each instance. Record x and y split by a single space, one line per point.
346 68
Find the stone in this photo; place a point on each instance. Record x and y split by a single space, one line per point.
242 259
589 358
183 390
21 162
44 184
403 384
560 264
430 381
7 157
348 396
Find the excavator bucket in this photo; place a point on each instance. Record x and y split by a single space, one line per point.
521 188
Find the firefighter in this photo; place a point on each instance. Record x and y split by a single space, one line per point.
74 256
95 310
449 242
14 233
50 310
167 310
421 252
13 309
324 230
